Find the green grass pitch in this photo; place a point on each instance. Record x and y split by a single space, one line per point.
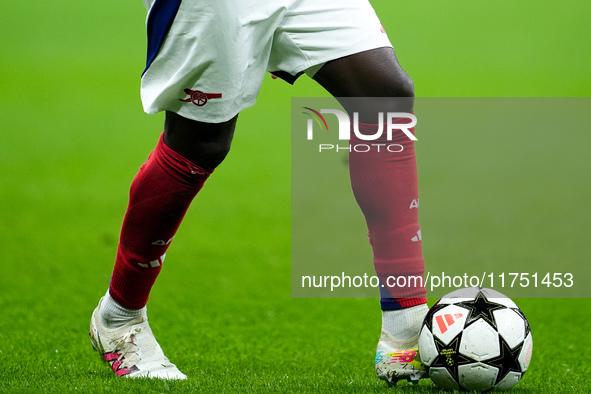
74 134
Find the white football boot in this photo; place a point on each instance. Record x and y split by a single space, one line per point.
132 350
399 360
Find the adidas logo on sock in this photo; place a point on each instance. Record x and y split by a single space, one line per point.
161 242
153 263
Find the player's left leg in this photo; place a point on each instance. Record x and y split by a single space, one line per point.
385 186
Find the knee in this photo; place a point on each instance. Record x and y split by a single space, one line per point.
407 87
210 154
396 94
400 86
204 144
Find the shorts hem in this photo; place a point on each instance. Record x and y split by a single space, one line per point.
334 56
186 112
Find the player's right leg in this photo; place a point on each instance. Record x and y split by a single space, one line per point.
201 71
160 195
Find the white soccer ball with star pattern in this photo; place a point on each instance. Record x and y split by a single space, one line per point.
475 339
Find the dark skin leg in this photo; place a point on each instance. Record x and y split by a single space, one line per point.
378 182
374 73
204 144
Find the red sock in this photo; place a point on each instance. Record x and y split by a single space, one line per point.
159 198
385 186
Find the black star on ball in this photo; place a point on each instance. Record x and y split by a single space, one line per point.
449 357
481 308
507 361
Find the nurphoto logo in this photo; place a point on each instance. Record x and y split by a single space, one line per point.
387 127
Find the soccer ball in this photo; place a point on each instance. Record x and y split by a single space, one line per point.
475 339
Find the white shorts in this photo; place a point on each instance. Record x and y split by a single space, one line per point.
207 58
